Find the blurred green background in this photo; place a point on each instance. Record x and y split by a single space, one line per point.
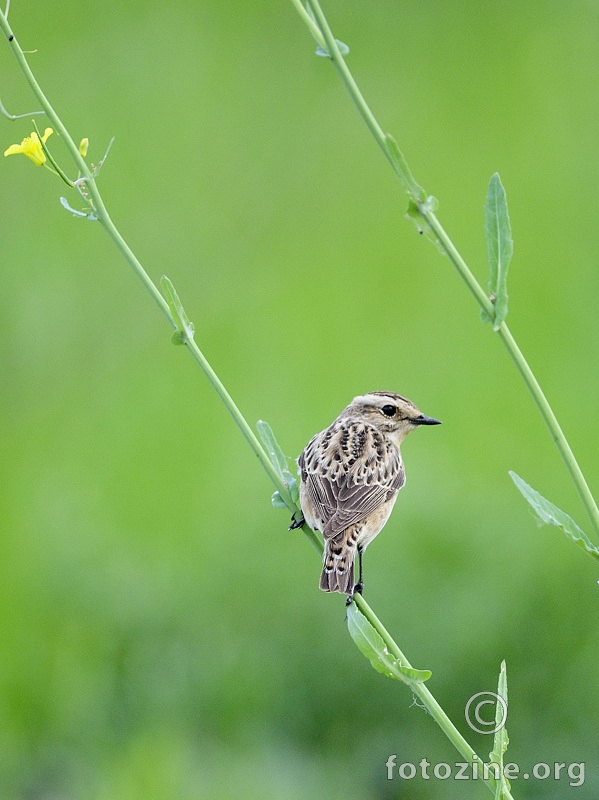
161 633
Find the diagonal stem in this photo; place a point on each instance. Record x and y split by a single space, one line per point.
426 697
104 218
447 246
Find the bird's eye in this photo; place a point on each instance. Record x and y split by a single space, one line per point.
389 410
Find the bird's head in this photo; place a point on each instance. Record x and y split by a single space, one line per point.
395 416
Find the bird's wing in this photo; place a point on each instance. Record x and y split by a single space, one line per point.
349 471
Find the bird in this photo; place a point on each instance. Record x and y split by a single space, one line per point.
350 475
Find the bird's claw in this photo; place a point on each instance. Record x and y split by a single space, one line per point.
358 589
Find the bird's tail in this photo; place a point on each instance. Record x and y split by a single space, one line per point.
338 567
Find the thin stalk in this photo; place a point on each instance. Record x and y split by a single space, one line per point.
84 170
93 195
311 25
425 696
129 255
346 76
524 369
554 427
250 437
465 273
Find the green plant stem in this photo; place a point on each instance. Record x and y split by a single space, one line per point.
523 368
424 694
90 183
250 437
201 360
37 91
475 288
554 427
312 27
105 220
347 77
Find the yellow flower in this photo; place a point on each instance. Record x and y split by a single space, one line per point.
31 147
83 147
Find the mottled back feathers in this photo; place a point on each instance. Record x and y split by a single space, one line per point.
349 470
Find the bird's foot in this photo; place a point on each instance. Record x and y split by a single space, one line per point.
296 523
358 589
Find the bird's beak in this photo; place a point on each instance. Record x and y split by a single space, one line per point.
424 420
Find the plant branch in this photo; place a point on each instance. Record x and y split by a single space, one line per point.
423 209
92 195
423 693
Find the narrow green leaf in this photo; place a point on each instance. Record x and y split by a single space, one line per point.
400 165
549 514
185 328
500 740
500 247
293 487
272 447
500 711
371 644
277 501
279 461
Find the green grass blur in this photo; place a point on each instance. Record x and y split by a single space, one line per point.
161 633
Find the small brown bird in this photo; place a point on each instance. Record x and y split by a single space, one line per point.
350 476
